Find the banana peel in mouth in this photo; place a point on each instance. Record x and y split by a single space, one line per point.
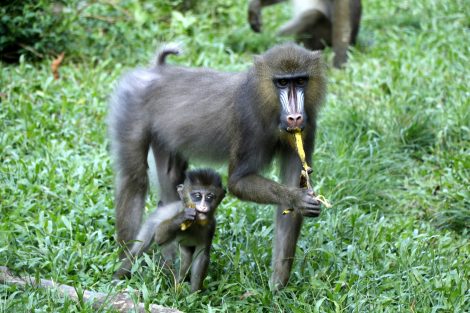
297 143
185 225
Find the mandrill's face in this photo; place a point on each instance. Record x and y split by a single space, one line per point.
204 201
291 92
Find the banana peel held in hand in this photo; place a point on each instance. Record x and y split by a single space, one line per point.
185 225
298 145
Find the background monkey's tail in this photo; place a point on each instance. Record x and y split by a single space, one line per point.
165 50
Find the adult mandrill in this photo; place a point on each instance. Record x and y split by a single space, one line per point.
200 114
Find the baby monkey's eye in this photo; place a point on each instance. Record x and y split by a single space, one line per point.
197 196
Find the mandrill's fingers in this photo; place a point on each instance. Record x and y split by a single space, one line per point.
311 212
312 207
189 214
308 206
310 201
188 218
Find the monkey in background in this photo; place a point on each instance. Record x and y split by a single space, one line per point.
201 194
201 114
317 23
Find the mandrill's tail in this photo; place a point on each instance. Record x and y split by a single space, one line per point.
164 51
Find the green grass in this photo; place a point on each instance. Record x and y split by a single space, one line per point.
392 155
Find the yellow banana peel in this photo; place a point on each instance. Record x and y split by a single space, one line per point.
298 145
187 224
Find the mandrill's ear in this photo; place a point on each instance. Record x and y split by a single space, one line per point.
258 59
317 64
259 63
261 67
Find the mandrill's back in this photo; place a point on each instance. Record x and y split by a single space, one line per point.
187 99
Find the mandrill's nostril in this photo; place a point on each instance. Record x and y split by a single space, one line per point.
294 120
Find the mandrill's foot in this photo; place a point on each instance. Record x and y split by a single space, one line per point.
276 284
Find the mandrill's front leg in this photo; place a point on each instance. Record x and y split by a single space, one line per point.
287 225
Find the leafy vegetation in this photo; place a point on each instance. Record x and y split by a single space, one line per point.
393 156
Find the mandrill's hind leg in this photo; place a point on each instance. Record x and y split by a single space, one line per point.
131 184
287 226
170 172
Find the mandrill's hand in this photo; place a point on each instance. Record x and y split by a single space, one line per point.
254 15
188 215
307 204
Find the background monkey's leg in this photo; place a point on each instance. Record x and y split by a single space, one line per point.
341 31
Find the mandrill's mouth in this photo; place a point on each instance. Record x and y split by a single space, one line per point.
291 130
201 216
294 129
202 219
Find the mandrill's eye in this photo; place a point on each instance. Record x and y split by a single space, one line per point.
196 196
281 82
301 81
210 197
